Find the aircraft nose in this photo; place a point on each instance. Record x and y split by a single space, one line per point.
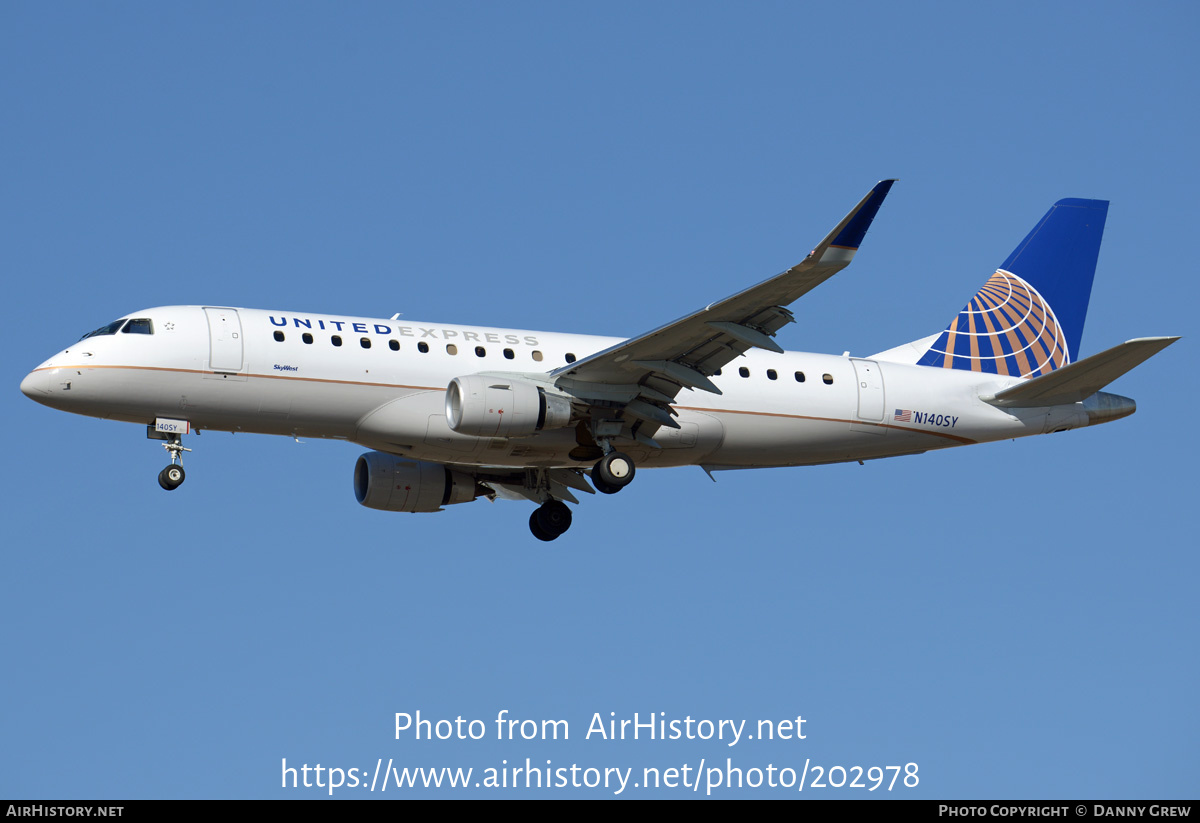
36 384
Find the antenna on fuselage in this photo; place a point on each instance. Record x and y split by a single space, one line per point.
395 316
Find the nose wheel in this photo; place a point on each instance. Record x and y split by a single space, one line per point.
173 475
170 477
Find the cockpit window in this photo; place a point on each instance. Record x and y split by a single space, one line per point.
111 328
139 325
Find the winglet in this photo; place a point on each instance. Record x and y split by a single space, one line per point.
839 245
855 229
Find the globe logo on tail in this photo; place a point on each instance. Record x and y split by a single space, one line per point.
1008 328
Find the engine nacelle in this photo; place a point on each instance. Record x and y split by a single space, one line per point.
394 484
502 407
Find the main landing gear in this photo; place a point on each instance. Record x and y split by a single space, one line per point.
550 520
173 475
613 472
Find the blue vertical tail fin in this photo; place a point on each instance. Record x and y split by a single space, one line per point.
1027 320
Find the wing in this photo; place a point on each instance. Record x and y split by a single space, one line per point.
641 377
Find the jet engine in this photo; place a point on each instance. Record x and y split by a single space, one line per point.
394 484
486 406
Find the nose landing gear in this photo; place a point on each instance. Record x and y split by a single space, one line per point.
173 475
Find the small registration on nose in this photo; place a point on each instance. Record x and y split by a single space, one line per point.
163 425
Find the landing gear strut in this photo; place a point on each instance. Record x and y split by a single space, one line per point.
173 475
613 472
550 520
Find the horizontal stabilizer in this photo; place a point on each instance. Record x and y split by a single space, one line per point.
1080 380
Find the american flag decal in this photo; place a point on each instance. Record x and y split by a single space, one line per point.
903 416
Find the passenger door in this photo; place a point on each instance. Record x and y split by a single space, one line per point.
225 340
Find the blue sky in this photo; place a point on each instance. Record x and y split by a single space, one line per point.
1018 619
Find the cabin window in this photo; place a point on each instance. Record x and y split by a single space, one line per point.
771 374
480 351
306 337
140 325
828 378
799 377
278 337
423 348
509 354
537 355
451 348
744 372
365 342
570 357
336 340
394 345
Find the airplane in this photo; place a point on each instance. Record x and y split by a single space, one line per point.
453 413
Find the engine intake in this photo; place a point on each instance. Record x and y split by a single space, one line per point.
394 484
502 407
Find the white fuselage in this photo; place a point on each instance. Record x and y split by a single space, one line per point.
384 387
